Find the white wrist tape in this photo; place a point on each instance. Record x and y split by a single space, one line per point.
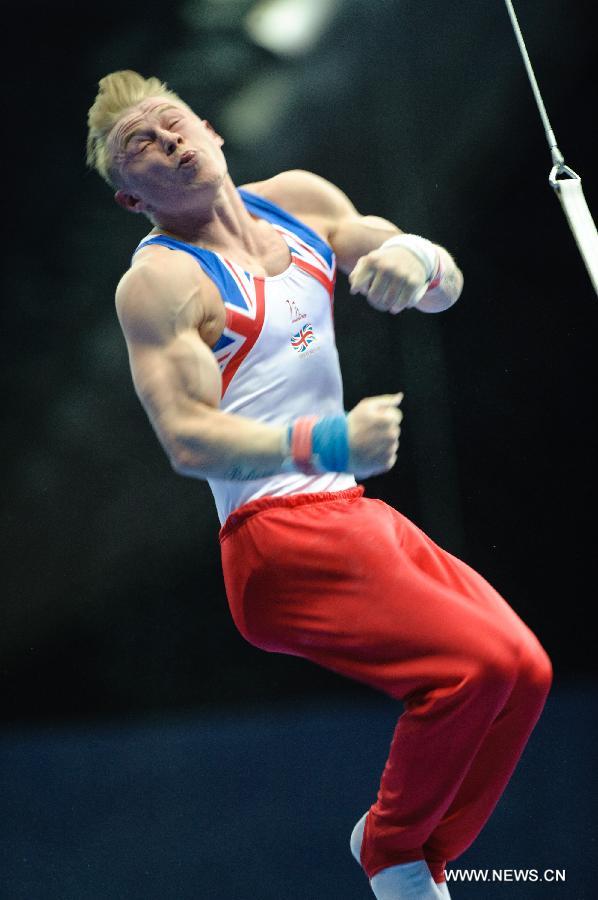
421 247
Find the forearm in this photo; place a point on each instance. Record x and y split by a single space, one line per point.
352 238
407 271
216 444
364 442
356 240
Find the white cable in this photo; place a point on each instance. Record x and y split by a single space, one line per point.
557 157
567 188
575 207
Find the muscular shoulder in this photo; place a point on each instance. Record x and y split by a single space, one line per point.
159 295
306 195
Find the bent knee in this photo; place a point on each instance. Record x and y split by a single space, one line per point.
493 670
536 667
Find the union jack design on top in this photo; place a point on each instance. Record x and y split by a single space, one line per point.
245 312
244 294
307 257
303 338
244 303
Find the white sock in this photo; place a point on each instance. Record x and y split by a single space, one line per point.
443 890
407 881
357 838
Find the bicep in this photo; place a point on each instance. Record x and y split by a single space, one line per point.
175 373
175 381
323 204
330 212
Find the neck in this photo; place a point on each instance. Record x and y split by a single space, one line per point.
224 222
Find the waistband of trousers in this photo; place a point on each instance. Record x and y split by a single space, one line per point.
288 501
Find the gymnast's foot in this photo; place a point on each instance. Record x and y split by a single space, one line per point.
408 881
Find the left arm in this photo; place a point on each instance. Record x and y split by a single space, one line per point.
392 278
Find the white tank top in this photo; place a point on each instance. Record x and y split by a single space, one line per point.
277 354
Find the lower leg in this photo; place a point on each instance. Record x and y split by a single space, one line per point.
498 754
397 818
433 747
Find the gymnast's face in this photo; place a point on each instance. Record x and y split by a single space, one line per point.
165 157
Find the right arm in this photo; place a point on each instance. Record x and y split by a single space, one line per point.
178 382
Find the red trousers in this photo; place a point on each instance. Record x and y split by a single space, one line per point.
349 583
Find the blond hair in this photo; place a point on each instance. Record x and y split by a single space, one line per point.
118 92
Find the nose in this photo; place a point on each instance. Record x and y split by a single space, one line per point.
171 141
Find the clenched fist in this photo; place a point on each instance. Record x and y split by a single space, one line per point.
374 427
391 278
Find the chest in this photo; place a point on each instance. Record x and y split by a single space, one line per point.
284 288
292 308
274 259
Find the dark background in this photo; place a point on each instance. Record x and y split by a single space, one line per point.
147 752
113 599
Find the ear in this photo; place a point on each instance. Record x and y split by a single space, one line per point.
219 140
129 202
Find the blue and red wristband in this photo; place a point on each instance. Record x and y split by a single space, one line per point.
319 445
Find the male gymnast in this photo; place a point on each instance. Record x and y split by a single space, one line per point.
227 312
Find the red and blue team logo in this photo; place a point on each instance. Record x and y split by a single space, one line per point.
303 338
